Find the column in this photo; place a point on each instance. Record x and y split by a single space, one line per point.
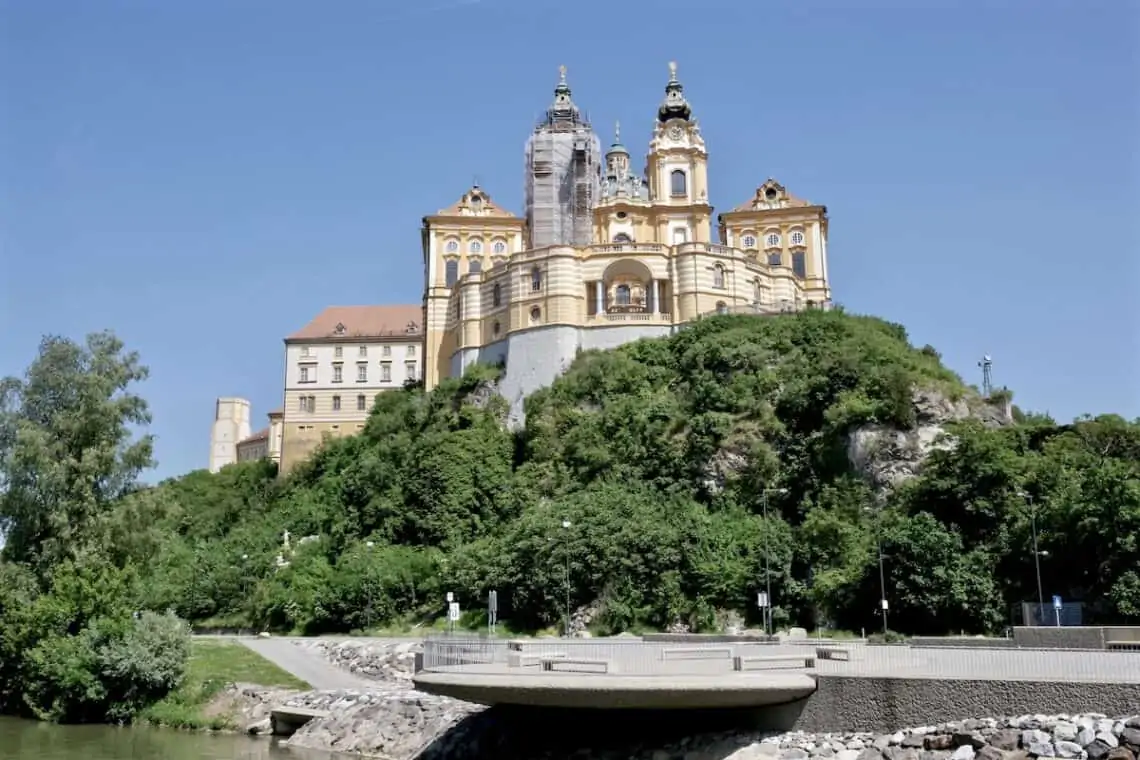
599 298
656 296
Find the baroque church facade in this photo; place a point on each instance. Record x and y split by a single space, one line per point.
606 254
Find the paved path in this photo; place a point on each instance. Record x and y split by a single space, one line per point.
306 664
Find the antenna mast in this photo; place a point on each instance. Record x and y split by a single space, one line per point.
987 375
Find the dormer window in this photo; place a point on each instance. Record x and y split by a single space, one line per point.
411 328
339 329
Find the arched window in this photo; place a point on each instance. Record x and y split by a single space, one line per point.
498 247
452 246
772 241
721 307
451 273
799 264
497 295
774 259
797 238
536 280
749 241
718 276
677 184
621 294
474 247
621 237
474 266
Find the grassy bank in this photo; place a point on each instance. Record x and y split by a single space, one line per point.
213 665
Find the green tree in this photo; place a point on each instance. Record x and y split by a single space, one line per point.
66 450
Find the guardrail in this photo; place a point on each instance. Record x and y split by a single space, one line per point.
834 657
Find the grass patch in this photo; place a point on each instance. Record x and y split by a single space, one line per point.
213 665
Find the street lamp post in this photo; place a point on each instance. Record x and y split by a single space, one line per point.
368 609
768 555
566 551
1036 553
882 567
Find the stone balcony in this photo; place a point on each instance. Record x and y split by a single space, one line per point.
630 317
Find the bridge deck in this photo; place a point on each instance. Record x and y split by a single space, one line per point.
499 684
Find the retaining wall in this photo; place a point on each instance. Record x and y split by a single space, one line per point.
842 703
962 642
1060 637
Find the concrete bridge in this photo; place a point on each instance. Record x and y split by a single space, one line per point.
810 685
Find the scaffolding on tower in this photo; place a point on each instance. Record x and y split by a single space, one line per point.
563 169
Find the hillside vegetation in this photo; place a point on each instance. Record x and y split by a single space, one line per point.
663 456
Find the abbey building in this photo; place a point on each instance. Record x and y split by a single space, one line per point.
606 253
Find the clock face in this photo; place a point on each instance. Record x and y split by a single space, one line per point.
675 132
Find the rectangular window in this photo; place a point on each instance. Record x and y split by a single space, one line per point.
338 352
338 373
410 370
411 351
363 351
361 403
307 403
386 351
336 403
799 264
680 235
305 375
362 373
386 372
306 352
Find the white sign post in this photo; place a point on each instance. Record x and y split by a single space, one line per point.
765 609
1057 606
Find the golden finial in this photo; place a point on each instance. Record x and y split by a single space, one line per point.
672 71
562 74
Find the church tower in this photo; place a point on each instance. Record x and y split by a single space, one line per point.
563 167
677 170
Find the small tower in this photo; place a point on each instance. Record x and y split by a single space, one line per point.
677 168
231 425
563 168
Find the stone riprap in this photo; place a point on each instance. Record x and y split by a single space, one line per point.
406 725
388 662
396 723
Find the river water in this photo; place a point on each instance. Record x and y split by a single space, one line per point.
29 740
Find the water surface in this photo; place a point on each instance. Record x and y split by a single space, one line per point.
29 740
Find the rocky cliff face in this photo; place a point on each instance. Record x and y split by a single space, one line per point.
887 457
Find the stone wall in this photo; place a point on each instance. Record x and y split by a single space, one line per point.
979 642
844 703
1060 637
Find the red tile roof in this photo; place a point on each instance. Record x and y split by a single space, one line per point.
363 322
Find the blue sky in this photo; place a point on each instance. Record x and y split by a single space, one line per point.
203 177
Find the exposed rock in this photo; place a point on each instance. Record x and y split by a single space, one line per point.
887 456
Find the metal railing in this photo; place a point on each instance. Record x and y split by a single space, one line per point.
838 657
